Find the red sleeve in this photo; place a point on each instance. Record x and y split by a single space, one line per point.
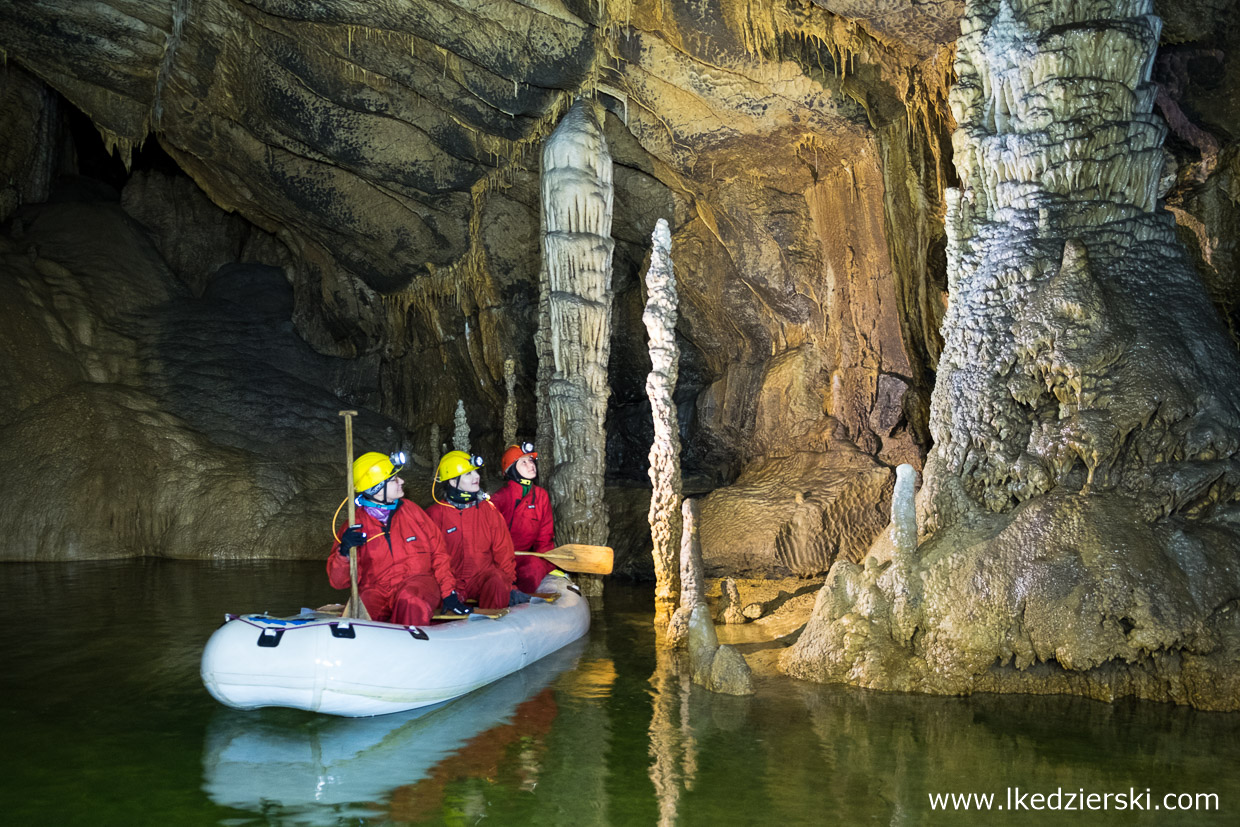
338 569
501 547
546 522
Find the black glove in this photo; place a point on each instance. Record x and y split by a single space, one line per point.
452 605
352 538
516 597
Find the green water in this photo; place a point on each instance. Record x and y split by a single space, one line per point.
105 721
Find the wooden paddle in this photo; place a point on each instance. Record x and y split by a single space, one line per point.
577 557
493 614
355 608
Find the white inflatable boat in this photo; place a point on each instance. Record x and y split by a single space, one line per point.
294 771
355 668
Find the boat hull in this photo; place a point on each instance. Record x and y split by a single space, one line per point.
358 668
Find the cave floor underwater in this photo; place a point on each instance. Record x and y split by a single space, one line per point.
107 722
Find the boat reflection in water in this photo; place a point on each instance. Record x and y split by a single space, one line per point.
317 769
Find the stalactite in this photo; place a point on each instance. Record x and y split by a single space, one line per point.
660 319
575 315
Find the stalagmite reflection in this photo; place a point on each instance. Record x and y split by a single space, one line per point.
672 750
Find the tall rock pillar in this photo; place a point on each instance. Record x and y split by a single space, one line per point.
660 320
574 338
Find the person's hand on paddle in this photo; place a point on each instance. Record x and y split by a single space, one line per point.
351 539
516 597
452 604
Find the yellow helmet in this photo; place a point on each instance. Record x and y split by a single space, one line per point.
455 463
373 469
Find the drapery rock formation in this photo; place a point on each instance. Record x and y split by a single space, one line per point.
1077 520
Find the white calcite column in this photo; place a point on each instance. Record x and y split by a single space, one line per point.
575 327
460 431
660 319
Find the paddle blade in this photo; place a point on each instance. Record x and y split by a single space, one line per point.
582 559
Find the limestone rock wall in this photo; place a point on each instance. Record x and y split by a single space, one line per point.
145 421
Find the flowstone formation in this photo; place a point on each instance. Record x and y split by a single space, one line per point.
665 498
575 321
1080 517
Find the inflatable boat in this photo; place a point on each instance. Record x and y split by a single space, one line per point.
291 770
355 668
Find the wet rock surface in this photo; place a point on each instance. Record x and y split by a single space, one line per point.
146 421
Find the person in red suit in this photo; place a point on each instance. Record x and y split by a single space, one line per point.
475 533
527 510
404 570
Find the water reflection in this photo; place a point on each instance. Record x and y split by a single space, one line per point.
306 769
796 751
106 721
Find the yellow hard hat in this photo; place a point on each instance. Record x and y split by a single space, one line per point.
373 469
455 463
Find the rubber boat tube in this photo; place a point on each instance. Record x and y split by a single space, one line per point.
285 767
354 668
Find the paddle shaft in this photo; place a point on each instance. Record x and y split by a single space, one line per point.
356 609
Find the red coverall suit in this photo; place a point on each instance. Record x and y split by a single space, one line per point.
481 552
404 573
532 527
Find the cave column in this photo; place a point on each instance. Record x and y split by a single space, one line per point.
665 497
574 338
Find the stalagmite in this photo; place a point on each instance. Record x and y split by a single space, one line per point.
660 319
575 321
436 445
712 666
730 611
1074 513
460 431
510 402
692 580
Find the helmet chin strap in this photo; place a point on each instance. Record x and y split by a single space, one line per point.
459 497
366 502
379 495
